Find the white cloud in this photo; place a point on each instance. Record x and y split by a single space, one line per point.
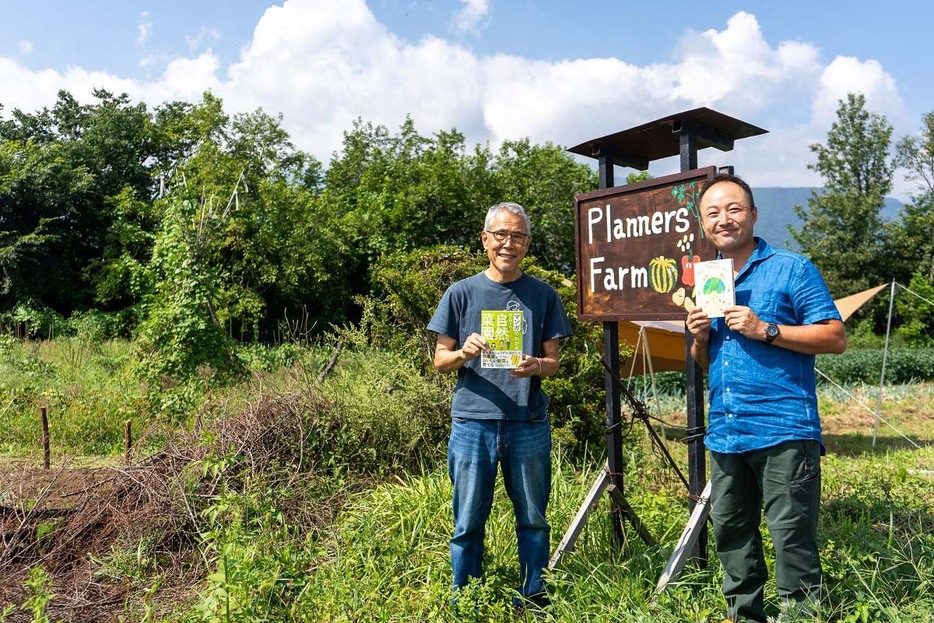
324 64
143 29
846 74
24 47
205 36
470 16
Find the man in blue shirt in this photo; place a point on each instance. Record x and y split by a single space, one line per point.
764 433
499 410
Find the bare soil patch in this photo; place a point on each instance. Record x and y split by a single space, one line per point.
76 521
68 519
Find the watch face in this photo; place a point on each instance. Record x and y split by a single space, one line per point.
771 332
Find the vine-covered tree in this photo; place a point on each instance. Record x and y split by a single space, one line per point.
842 228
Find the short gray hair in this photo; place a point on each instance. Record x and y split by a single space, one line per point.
512 208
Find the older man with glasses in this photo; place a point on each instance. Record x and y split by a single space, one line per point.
499 411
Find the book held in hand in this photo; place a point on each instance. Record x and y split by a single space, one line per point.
713 286
503 332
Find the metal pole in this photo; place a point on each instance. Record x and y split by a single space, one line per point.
694 380
885 355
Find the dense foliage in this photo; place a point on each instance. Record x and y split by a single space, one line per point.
106 204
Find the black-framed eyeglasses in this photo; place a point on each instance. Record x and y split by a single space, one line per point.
502 235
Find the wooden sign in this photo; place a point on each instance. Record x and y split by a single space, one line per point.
636 248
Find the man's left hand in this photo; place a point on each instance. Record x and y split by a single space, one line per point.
529 366
744 321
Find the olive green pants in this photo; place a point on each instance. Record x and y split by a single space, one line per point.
785 479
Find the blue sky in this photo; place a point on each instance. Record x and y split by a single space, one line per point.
549 70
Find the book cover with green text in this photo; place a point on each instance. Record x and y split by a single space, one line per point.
503 332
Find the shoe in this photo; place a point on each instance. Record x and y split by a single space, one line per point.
533 603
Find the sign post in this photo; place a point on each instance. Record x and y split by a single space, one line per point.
636 246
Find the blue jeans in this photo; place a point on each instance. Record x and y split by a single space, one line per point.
523 451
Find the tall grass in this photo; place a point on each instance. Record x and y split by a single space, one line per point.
90 389
82 384
387 558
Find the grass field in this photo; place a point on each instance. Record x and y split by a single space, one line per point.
246 512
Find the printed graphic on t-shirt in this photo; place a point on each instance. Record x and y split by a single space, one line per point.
503 333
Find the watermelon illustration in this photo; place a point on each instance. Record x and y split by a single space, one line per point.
663 274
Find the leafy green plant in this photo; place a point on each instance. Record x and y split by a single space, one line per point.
38 586
917 311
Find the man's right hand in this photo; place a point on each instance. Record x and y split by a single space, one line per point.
698 323
449 358
473 346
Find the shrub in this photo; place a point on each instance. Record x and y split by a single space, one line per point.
100 325
917 311
31 319
902 365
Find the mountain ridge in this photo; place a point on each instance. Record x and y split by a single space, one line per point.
776 212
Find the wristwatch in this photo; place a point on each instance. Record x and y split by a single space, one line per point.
771 332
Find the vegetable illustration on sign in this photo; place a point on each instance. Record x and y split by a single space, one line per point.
686 244
663 274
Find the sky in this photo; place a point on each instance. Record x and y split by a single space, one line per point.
550 70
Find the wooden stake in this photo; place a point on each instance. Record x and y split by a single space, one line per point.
127 441
46 453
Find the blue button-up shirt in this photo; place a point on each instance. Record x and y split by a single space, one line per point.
761 394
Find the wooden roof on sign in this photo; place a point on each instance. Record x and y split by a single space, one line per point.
661 138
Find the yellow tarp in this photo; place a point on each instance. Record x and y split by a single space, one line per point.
661 346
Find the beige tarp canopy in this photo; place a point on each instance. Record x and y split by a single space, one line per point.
659 345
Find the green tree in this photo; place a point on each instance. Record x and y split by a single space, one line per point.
544 179
841 228
42 193
388 193
911 238
109 143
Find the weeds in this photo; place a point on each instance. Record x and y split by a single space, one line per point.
38 585
304 498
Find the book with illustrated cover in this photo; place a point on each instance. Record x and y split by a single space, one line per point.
503 333
713 286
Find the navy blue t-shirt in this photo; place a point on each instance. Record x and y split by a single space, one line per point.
491 393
